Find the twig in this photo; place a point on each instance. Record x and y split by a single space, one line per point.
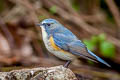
115 12
7 33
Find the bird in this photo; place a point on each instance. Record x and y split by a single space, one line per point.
62 43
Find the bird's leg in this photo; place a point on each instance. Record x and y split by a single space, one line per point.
67 64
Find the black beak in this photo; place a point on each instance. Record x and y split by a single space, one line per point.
40 24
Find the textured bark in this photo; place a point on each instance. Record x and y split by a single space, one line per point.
41 73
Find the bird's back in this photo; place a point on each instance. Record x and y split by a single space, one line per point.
61 30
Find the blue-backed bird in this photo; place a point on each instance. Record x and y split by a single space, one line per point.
64 44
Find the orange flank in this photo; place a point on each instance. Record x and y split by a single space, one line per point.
65 55
55 46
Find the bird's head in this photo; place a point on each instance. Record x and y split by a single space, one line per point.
49 24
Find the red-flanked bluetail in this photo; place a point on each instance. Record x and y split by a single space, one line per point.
64 44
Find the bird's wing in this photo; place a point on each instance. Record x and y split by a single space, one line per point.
79 49
62 40
76 47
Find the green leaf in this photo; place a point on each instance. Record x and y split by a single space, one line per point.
90 45
94 40
102 37
53 9
107 49
42 17
90 62
2 5
75 5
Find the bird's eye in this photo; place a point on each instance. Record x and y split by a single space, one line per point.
43 24
48 24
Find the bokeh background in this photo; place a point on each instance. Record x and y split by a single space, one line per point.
95 22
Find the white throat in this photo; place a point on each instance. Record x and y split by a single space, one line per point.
44 34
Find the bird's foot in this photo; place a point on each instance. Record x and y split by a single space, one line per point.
67 64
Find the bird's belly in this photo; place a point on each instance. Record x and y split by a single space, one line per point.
60 54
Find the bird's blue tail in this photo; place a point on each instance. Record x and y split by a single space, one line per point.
98 59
